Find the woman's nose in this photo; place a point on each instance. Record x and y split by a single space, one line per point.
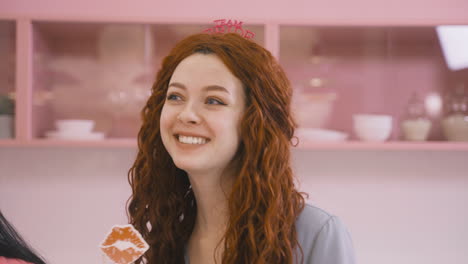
189 115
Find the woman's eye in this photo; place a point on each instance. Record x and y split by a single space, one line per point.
214 101
173 97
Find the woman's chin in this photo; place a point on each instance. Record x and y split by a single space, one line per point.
190 167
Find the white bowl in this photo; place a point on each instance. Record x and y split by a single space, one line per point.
323 135
74 125
372 127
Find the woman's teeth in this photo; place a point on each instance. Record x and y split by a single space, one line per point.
191 140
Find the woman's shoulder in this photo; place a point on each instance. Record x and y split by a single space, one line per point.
312 219
4 260
323 237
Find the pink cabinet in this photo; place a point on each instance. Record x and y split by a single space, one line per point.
103 70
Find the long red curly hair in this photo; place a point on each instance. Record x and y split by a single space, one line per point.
263 203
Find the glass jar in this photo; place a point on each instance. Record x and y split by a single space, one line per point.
455 120
415 124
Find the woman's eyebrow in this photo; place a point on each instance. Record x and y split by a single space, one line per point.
206 88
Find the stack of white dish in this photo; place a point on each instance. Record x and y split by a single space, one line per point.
70 129
312 110
320 135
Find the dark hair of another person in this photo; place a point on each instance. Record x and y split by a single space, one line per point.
13 246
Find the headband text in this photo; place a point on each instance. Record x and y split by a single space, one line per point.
230 26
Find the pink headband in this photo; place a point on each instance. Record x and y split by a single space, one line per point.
229 26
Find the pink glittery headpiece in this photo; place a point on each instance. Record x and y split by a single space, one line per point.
229 26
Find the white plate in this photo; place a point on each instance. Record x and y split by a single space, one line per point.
74 136
320 135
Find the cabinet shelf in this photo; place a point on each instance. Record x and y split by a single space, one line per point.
108 143
130 143
389 145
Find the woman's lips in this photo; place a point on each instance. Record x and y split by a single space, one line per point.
124 244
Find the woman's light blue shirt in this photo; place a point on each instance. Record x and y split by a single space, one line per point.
323 237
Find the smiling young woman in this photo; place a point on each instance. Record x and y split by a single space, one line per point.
212 181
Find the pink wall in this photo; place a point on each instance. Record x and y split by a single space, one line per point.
401 207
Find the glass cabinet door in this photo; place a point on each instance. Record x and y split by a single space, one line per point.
344 74
100 72
7 79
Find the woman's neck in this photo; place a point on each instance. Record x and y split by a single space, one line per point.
211 193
